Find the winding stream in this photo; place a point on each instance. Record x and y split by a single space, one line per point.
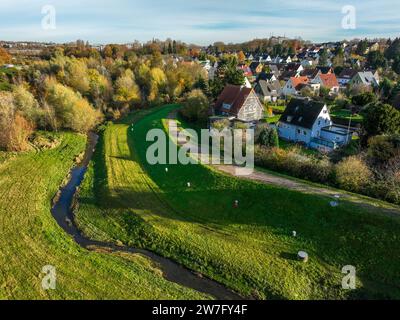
63 213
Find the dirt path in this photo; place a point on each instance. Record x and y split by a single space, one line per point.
369 204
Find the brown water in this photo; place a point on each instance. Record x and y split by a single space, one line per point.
63 213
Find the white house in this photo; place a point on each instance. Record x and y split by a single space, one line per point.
346 76
366 78
294 86
328 81
309 122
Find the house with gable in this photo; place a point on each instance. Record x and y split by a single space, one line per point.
256 67
328 81
239 102
346 76
308 122
366 78
268 91
294 86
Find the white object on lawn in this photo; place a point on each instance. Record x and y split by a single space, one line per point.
334 204
303 256
166 169
294 234
189 184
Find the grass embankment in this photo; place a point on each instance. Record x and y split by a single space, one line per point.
31 239
251 248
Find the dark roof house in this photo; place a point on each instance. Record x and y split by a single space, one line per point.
302 112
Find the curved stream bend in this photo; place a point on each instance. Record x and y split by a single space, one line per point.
63 214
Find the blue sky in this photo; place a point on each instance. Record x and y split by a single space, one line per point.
200 21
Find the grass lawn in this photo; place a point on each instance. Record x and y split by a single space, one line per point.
345 115
250 248
273 119
278 109
31 239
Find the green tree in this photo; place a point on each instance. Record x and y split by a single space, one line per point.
323 59
364 98
376 59
362 47
393 50
396 65
269 137
381 119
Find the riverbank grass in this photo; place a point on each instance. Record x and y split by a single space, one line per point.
31 239
250 247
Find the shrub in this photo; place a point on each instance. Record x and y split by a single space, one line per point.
382 148
220 124
269 137
294 163
19 132
352 174
196 106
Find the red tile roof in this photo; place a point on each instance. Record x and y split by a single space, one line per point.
234 96
299 81
329 80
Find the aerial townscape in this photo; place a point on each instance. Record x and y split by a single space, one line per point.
80 200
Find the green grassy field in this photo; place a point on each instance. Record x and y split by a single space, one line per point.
30 239
250 248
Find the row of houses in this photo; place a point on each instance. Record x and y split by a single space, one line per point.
304 121
293 79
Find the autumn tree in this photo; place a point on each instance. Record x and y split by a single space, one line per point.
127 91
4 56
71 110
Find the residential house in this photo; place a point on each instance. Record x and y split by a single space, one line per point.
266 58
309 122
286 59
239 102
268 91
311 74
269 77
256 67
307 62
249 57
329 81
274 69
366 78
297 67
286 75
247 83
325 70
246 71
294 86
346 76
